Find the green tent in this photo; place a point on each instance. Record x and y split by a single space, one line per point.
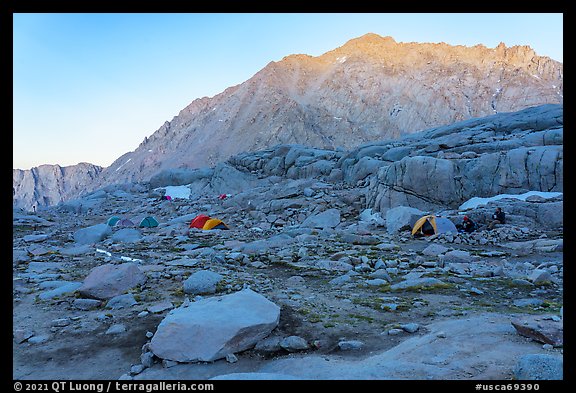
113 220
148 222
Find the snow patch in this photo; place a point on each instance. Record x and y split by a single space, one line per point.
478 201
103 252
128 259
536 76
337 118
341 59
127 161
182 192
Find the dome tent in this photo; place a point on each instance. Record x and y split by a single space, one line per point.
125 223
148 222
432 225
199 221
214 223
205 222
113 220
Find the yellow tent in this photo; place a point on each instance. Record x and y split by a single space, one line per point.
431 225
214 223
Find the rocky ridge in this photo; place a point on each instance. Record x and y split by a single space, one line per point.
372 88
48 185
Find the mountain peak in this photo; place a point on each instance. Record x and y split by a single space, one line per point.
369 39
371 88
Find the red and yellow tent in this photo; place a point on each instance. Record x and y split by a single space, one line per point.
205 222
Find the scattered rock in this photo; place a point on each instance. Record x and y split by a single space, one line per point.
121 301
116 329
202 282
86 304
539 367
93 234
350 345
294 344
410 327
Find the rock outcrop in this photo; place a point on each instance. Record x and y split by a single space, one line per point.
47 185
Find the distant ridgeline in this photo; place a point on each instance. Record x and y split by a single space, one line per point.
48 185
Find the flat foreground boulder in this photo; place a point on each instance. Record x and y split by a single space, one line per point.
211 328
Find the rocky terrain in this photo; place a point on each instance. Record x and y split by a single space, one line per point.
318 276
370 89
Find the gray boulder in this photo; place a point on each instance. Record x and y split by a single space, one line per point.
211 328
92 234
325 220
106 281
294 343
434 250
121 301
402 217
127 235
456 256
202 282
414 283
58 288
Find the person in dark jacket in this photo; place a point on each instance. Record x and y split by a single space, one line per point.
499 217
468 225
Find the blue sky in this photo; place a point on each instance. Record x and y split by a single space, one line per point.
89 87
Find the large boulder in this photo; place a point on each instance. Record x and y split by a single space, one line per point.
402 217
228 180
327 219
127 235
92 234
106 281
212 328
